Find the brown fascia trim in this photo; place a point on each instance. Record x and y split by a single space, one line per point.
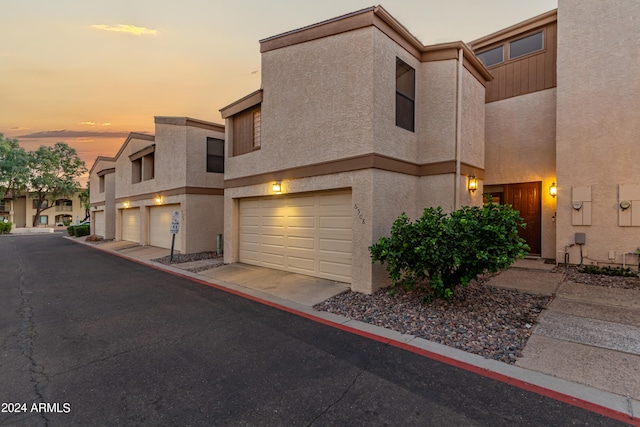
106 171
514 30
251 100
134 135
366 161
143 152
101 159
173 192
97 204
188 121
378 17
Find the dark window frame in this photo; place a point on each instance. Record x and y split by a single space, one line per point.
215 155
405 95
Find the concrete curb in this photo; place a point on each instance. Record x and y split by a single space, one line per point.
609 404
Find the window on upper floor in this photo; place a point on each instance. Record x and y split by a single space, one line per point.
492 56
36 202
143 164
405 95
247 131
3 206
215 155
101 184
526 45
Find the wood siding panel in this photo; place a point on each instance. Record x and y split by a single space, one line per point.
243 132
531 73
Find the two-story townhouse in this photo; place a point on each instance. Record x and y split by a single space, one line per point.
175 174
356 122
102 188
562 125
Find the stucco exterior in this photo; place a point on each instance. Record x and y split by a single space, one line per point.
176 177
328 122
598 123
102 185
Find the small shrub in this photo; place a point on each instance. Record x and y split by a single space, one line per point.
81 230
5 227
445 250
71 230
66 223
608 271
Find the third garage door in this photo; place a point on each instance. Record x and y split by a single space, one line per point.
305 233
159 226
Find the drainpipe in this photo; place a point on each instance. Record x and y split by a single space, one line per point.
456 184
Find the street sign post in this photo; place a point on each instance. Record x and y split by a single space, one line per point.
173 229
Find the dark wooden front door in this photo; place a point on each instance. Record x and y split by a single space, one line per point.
525 198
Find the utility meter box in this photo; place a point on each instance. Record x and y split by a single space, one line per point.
581 238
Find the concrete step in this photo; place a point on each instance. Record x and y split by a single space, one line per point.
592 332
538 282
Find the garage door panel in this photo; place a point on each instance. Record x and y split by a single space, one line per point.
99 220
131 225
160 225
308 233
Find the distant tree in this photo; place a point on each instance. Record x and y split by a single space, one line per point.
14 167
86 202
53 175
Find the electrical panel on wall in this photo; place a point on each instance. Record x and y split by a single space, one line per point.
629 205
581 205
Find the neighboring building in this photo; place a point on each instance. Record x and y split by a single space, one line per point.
355 123
21 211
102 187
564 109
180 169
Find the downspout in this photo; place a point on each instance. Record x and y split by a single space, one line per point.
456 184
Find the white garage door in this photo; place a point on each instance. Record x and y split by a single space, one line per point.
159 226
131 225
99 223
308 234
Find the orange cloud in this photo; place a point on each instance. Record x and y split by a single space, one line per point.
126 28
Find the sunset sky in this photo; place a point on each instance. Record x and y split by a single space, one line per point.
88 72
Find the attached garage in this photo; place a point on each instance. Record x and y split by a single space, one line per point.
98 220
131 225
303 233
160 224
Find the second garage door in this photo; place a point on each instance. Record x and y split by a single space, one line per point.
99 223
131 225
308 234
159 226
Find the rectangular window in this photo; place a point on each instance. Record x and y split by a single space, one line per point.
36 202
101 183
3 206
148 167
215 155
136 171
492 56
526 45
405 95
256 129
43 220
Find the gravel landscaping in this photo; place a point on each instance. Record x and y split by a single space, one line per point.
492 322
182 258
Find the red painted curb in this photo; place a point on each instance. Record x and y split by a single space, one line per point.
565 398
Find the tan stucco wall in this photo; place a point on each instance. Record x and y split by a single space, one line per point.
520 144
203 221
597 121
317 104
473 117
77 211
124 187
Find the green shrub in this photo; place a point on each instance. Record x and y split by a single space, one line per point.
608 271
71 230
82 230
66 223
5 227
442 251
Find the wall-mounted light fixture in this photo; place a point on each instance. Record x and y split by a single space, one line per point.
553 190
473 183
158 200
277 187
125 205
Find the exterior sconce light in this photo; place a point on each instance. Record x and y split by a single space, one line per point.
553 190
158 200
277 187
473 183
125 205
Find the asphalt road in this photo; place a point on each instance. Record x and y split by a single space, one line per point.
94 339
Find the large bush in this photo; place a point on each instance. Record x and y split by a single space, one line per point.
440 251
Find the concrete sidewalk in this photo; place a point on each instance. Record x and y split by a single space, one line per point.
586 344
